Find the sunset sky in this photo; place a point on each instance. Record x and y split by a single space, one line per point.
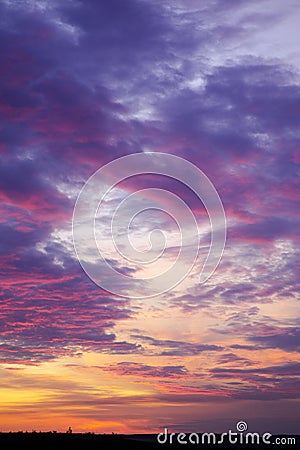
216 83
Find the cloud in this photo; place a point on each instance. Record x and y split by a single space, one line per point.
287 339
229 358
61 121
266 231
85 82
259 382
144 370
49 309
291 369
261 331
177 348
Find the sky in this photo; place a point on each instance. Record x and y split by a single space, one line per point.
84 83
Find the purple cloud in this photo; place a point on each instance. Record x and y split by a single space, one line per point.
143 370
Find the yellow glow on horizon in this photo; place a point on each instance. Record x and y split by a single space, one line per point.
18 397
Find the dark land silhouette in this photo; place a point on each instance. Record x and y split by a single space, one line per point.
86 441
